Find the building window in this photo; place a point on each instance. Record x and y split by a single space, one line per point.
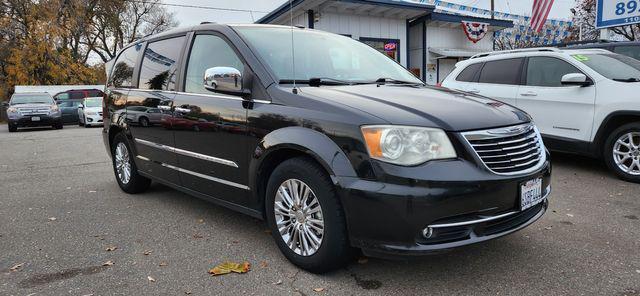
389 47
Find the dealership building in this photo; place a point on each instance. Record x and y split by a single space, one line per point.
426 41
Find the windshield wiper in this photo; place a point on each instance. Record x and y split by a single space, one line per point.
318 81
631 79
396 81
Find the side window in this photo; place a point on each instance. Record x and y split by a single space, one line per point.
202 57
77 95
501 72
95 93
122 74
630 51
548 71
160 64
469 73
62 96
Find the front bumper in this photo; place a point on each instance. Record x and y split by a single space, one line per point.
28 121
461 202
93 120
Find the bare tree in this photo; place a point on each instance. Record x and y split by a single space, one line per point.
584 18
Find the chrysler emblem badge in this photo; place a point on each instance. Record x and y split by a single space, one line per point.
511 130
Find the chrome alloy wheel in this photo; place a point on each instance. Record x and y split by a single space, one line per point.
123 164
299 217
626 153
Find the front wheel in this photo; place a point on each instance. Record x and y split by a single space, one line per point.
305 216
622 152
124 167
13 128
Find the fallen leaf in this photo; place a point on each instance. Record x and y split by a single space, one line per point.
363 260
638 270
163 263
147 252
187 292
570 215
16 267
279 282
197 236
228 267
68 188
53 219
151 279
263 264
318 289
111 248
548 228
92 191
200 221
108 263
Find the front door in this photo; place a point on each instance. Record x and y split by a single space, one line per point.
148 112
561 111
210 129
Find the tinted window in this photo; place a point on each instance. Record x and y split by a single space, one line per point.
469 73
160 64
62 96
202 58
94 93
501 72
547 71
630 51
69 104
122 75
77 95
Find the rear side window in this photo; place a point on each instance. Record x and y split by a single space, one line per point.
548 71
469 73
77 95
501 72
94 93
122 74
160 64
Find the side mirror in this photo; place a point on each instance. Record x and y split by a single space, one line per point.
225 80
578 79
81 106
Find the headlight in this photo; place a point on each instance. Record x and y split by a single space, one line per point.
405 145
12 110
54 108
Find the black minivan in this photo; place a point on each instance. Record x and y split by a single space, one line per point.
338 149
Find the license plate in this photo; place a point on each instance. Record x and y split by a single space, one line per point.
530 193
35 118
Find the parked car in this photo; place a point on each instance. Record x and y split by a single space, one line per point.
31 110
343 151
78 94
90 112
583 101
628 48
69 109
144 116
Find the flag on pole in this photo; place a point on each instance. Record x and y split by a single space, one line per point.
541 9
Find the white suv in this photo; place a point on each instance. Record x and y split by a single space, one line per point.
583 101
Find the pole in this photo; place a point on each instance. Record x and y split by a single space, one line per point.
493 10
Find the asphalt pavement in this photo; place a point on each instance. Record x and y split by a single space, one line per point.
67 229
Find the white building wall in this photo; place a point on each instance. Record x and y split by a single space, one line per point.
366 26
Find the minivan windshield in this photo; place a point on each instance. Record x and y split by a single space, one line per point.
613 66
17 99
322 55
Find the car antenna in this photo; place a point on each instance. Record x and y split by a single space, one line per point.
293 51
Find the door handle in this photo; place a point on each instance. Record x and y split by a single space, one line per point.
474 91
529 94
164 107
182 110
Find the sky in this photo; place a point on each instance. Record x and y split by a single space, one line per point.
194 16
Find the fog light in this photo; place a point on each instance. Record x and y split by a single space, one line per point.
90 119
427 232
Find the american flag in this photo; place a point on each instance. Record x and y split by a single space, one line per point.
540 13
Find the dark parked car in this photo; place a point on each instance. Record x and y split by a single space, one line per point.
348 150
78 94
32 110
70 100
628 48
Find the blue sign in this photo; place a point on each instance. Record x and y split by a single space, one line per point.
617 13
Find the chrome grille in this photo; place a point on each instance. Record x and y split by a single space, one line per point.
509 151
33 111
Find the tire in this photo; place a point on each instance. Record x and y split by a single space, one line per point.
334 250
135 182
143 121
59 126
12 128
85 123
625 150
80 123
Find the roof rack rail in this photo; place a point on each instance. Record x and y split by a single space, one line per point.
538 49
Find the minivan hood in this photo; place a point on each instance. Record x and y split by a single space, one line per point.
423 106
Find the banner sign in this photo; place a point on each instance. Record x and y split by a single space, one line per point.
617 13
475 31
